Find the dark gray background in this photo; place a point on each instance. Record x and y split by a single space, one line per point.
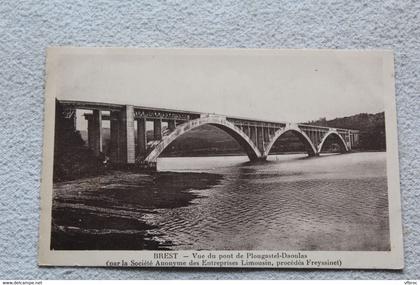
28 27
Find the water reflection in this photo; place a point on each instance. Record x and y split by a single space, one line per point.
336 202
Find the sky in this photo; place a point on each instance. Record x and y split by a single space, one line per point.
271 85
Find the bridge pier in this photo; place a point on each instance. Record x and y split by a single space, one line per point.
128 140
157 129
141 137
171 125
95 132
349 139
253 134
260 139
245 129
266 135
122 136
114 134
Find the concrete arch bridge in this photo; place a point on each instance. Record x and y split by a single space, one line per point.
254 136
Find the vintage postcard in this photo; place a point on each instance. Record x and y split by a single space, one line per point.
220 158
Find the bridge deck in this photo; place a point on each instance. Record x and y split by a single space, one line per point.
235 119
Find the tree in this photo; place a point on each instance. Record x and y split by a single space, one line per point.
371 127
72 159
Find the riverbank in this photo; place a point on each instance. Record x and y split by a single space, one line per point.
98 213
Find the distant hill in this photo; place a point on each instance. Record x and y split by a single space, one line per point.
371 127
202 141
209 140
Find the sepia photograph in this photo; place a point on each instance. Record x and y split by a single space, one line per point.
260 157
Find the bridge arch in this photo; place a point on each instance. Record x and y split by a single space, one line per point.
312 151
218 121
333 133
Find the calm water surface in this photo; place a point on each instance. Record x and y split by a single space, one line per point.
332 202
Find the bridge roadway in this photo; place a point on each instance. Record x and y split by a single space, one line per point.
255 136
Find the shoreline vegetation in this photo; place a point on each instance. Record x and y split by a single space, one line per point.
371 127
72 158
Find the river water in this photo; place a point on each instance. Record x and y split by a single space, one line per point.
334 202
290 202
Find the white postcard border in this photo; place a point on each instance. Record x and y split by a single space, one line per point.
145 258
